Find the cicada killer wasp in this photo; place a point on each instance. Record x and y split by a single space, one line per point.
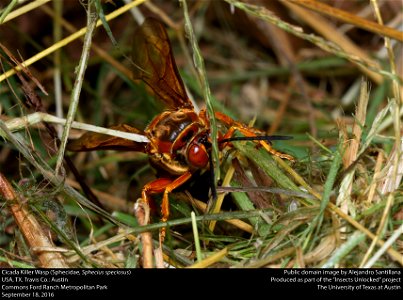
179 137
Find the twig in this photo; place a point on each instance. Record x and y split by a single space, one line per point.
32 119
31 228
142 212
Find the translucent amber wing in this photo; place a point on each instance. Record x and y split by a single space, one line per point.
96 141
155 65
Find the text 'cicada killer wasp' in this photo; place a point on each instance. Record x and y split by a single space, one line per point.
179 140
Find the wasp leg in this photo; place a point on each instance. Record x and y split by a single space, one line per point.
163 185
249 132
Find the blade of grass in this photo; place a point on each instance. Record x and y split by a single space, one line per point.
244 203
217 205
356 238
216 257
22 10
237 223
330 32
347 17
327 46
267 164
381 228
327 190
196 237
398 232
105 24
57 76
199 63
98 50
16 264
75 95
262 159
7 10
68 40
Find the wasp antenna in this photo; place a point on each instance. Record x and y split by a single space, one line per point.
267 138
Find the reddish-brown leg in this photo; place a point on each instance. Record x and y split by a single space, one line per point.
163 185
249 132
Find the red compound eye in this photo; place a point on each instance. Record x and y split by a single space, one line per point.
197 156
